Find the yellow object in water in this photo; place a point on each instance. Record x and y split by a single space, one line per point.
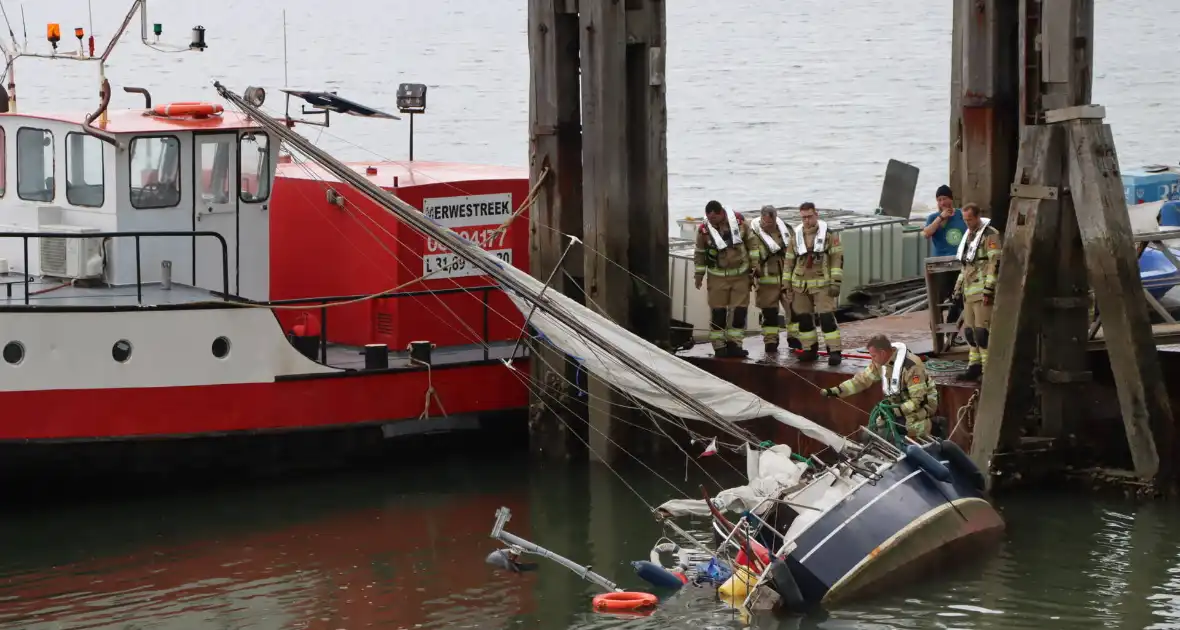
738 586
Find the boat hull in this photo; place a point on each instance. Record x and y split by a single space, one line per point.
888 531
295 404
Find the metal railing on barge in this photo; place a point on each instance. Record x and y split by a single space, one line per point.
320 303
325 302
136 235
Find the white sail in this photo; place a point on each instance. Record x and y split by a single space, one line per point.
728 400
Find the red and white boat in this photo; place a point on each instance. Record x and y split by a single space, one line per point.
161 282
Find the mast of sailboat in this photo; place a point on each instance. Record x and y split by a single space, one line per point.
468 250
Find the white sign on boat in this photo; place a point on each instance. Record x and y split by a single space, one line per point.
476 218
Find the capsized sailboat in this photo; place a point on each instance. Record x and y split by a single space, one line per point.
824 530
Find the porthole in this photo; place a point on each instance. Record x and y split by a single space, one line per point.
14 352
121 351
221 347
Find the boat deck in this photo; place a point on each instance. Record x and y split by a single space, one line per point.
55 294
353 357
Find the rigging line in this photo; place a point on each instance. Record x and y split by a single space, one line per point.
327 186
612 441
478 341
728 429
732 428
599 254
515 280
530 198
15 45
532 194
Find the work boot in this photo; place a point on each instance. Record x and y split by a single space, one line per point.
722 352
771 348
794 343
974 373
734 351
834 358
809 355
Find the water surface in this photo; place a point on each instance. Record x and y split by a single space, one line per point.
404 548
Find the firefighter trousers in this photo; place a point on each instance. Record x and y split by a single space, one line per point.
727 295
977 320
768 297
809 304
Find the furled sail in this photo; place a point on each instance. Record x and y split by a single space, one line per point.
607 350
728 400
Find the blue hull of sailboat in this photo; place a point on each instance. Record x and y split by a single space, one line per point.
1158 273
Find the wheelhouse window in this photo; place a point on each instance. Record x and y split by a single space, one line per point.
254 157
3 161
84 170
34 164
155 172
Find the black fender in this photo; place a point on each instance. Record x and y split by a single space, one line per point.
962 464
920 458
783 582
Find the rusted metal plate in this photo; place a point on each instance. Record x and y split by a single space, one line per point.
1031 191
1080 112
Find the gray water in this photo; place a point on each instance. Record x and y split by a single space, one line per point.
404 548
767 101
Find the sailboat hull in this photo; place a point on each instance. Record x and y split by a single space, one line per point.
894 529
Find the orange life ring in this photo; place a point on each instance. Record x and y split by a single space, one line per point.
624 601
197 110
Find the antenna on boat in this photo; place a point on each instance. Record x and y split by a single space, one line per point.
286 79
197 43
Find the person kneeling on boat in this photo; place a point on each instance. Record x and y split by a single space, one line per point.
907 386
722 255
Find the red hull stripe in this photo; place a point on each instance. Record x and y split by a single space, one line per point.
302 404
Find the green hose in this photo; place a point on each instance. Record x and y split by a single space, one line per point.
882 413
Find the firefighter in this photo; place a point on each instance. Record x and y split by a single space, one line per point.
908 388
768 243
722 255
979 254
815 265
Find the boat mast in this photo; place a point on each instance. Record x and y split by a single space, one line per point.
18 50
471 252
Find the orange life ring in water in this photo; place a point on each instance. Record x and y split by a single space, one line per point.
196 110
624 601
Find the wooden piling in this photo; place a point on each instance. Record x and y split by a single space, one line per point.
617 193
1069 229
990 108
1032 222
1064 67
955 180
1112 263
557 416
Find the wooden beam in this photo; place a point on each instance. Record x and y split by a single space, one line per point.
990 106
1114 273
1066 38
647 174
605 195
1079 112
557 424
1067 54
956 181
1019 288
